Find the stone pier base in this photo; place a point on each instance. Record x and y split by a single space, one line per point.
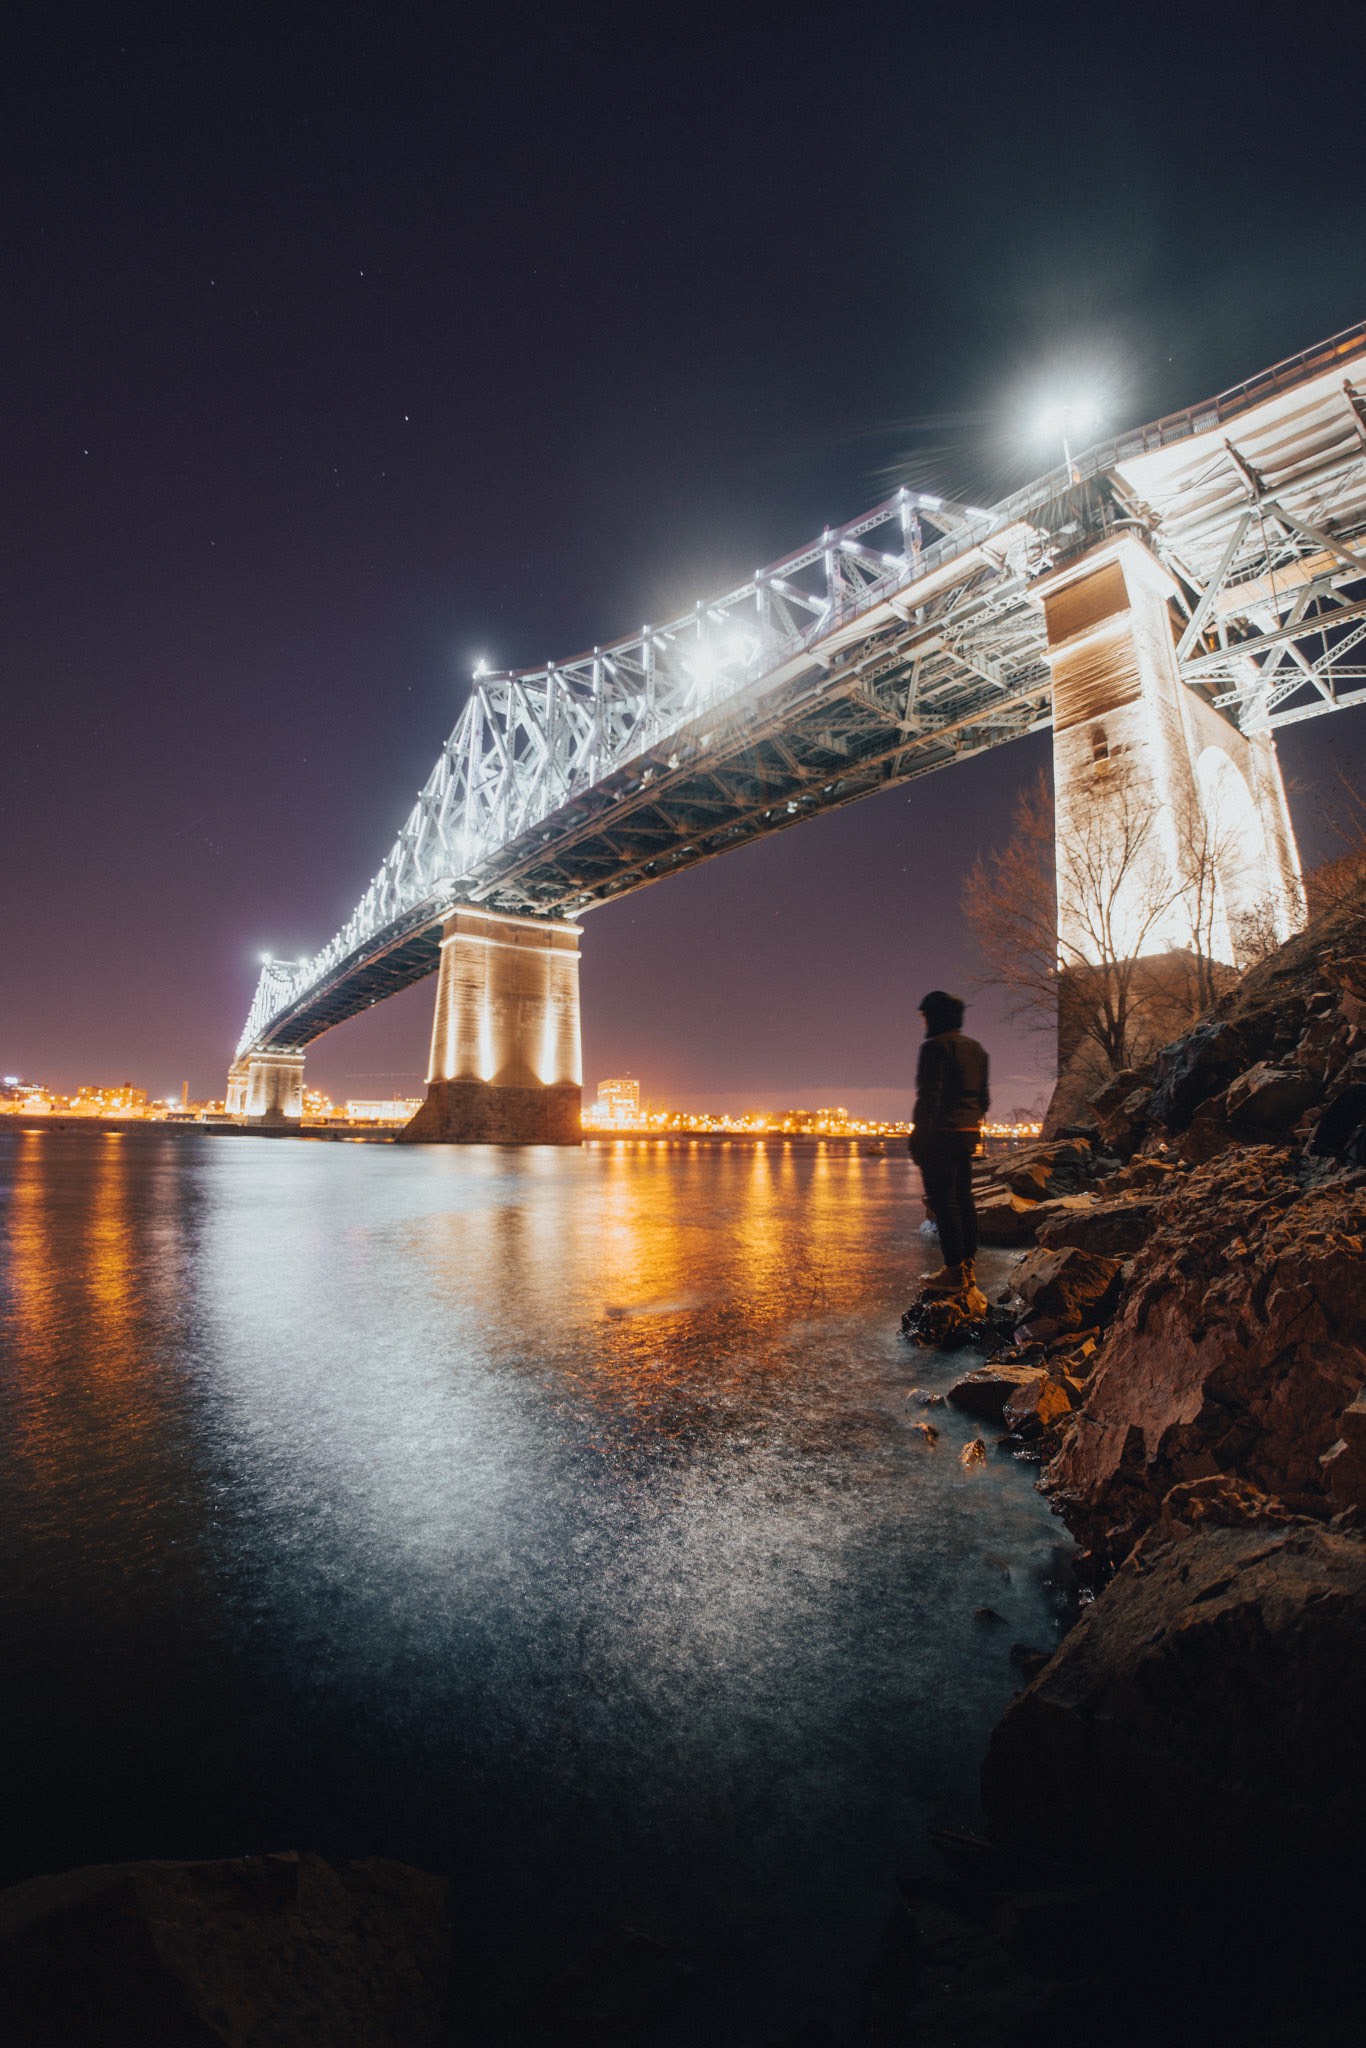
266 1089
506 1067
478 1113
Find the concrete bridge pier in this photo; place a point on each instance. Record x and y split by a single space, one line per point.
1174 841
507 1063
267 1089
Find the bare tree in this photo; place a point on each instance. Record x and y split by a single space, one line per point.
1085 970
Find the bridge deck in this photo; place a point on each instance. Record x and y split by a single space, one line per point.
898 644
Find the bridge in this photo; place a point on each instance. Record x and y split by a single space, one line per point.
1174 595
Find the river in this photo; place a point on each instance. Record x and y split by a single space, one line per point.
550 1518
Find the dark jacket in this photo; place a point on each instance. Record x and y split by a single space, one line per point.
950 1085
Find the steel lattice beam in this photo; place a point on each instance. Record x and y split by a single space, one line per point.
896 644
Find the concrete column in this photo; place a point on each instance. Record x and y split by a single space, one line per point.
506 1065
1214 869
267 1088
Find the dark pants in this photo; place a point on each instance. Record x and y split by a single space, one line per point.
945 1162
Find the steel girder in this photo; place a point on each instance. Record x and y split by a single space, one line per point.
897 644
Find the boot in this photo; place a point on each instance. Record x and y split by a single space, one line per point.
948 1280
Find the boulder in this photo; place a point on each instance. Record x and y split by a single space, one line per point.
1039 1404
1207 1134
1266 1100
1340 1132
1038 1171
1070 1288
985 1392
1115 1228
1236 1350
282 1951
1207 1709
1197 1065
1005 1219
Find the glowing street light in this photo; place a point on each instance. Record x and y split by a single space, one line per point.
1066 421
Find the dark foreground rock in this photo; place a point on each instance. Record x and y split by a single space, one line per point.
282 1951
1001 1951
1207 1710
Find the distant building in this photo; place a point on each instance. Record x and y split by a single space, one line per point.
124 1100
618 1102
394 1110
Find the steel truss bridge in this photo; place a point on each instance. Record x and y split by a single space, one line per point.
889 647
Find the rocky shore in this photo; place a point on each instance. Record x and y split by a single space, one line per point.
1178 1793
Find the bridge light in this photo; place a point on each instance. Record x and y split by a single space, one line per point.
1065 419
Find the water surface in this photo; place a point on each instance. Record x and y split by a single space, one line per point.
550 1518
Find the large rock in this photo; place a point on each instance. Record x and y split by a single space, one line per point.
986 1391
1266 1100
1237 1347
1005 1219
1047 1399
1074 1289
1039 1171
1114 1228
281 1951
1207 1711
1195 1066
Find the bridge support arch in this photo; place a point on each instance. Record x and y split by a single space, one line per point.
1172 824
507 1064
267 1089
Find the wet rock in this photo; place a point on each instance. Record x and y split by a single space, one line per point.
926 1430
1236 1350
1115 1228
1044 1401
949 1322
282 1951
973 1453
1208 1705
985 1391
987 1617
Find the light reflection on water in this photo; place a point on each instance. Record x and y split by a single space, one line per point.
552 1518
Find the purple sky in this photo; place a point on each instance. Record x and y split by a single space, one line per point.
340 352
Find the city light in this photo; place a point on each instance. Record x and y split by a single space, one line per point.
618 1112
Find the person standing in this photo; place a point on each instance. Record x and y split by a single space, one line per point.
951 1099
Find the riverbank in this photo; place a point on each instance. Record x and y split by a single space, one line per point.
1175 1803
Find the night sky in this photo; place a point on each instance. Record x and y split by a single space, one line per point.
342 349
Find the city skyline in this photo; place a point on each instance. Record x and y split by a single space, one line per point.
294 446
